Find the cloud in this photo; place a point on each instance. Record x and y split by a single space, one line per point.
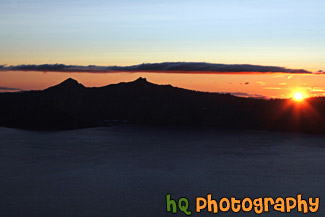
241 94
317 89
262 83
166 67
320 72
44 67
272 88
9 88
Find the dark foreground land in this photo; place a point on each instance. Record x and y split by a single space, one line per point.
127 170
71 105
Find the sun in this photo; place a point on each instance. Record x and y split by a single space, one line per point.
298 96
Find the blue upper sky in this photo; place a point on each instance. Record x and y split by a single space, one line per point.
287 33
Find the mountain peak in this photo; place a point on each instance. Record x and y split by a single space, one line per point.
68 84
70 81
141 80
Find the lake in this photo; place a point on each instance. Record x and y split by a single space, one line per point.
127 170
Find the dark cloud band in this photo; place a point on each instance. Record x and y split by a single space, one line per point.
167 67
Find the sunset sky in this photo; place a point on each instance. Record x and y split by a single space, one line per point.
126 32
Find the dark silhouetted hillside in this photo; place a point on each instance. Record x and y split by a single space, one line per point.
71 105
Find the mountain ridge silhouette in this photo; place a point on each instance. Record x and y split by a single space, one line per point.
71 105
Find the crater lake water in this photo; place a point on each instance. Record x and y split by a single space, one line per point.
127 170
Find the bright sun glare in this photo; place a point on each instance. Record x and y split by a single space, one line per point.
297 96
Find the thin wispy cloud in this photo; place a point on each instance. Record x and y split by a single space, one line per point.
9 88
242 94
272 88
166 67
261 83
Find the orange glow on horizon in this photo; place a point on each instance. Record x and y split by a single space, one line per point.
268 85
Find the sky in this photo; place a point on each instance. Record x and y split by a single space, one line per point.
287 33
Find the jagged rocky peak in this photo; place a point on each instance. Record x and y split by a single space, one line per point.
141 80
